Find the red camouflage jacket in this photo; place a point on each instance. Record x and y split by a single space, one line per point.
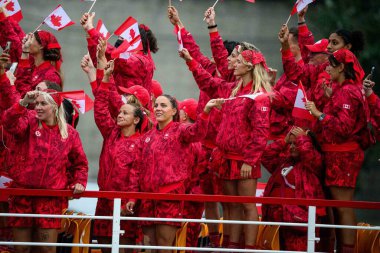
44 159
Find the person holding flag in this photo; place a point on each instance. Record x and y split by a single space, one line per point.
243 131
342 130
51 151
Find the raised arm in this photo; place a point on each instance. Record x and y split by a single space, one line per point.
8 94
305 36
102 115
10 31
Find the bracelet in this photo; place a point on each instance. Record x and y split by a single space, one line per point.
322 117
212 26
302 23
25 52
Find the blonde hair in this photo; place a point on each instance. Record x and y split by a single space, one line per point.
261 79
59 113
247 46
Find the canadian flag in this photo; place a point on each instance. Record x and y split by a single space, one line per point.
102 29
58 19
300 5
129 31
12 8
79 99
177 31
299 109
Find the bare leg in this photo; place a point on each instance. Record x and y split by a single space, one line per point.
105 240
235 211
150 233
345 216
126 241
47 235
165 235
22 235
247 187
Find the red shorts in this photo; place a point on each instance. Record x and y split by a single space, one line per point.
230 170
162 209
36 205
103 228
342 168
211 183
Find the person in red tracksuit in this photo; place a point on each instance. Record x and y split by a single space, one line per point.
119 154
342 126
243 131
295 163
193 210
50 149
12 32
374 105
136 70
44 48
165 166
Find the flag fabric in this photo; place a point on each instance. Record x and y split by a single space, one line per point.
102 29
299 109
179 37
79 99
122 51
13 9
129 30
58 19
300 5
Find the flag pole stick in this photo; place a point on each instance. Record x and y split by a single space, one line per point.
287 21
213 6
170 2
38 27
92 6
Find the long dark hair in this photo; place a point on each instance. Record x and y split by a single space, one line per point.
349 72
52 54
148 39
355 38
174 104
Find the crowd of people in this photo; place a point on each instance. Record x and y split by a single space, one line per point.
241 123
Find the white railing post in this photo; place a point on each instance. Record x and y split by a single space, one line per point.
311 229
116 226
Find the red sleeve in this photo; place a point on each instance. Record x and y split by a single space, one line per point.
259 120
190 44
272 157
213 86
78 160
284 98
374 107
8 94
115 101
92 43
195 132
102 114
306 73
15 120
8 33
135 172
220 54
305 37
23 81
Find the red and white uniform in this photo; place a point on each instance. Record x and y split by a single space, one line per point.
119 155
303 181
244 128
43 162
374 106
220 54
166 165
11 31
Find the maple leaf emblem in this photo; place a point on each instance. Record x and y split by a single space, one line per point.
132 33
303 100
56 20
10 6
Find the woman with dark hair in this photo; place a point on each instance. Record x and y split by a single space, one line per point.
119 155
296 167
138 69
44 49
51 150
342 129
166 165
242 134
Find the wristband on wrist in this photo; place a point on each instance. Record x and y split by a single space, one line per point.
301 23
322 117
25 52
212 26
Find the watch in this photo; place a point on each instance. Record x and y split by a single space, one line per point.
322 117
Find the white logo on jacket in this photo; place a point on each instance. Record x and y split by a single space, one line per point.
346 106
264 109
38 133
147 140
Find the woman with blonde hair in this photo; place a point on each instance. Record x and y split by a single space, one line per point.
51 156
242 133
